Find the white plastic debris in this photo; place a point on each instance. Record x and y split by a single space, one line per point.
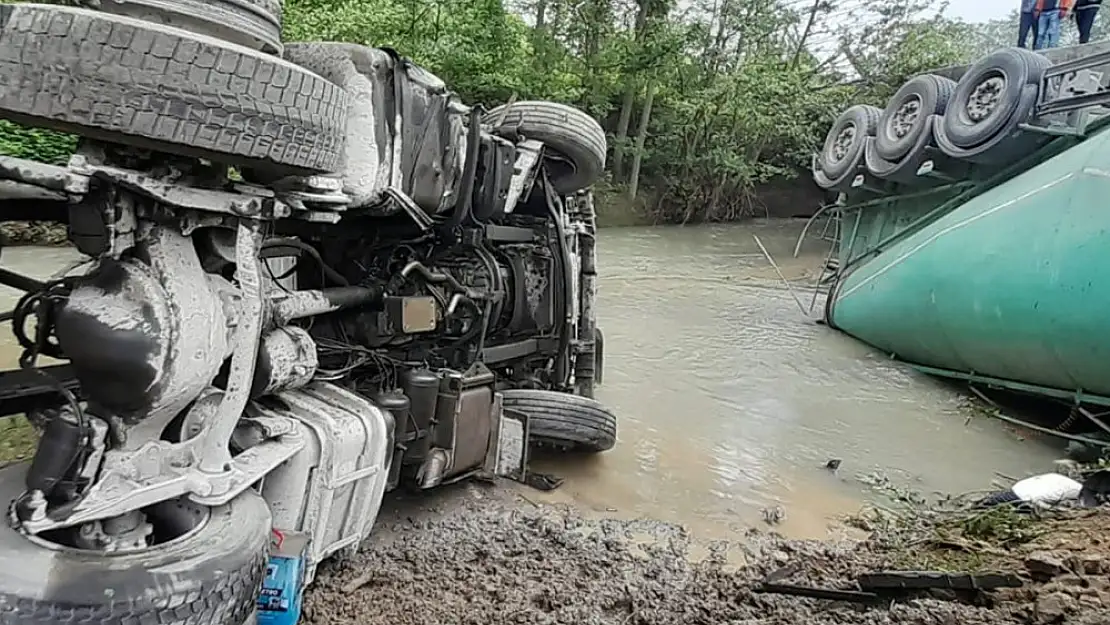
1046 490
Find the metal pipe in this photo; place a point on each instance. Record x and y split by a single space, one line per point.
997 414
21 282
1022 387
301 304
436 277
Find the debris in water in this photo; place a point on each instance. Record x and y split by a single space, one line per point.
773 515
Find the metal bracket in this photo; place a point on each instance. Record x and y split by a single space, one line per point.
529 153
82 172
1074 85
411 208
161 470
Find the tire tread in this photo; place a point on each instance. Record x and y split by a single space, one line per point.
565 420
118 79
229 599
564 129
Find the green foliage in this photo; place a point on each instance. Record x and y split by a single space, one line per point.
742 91
475 45
35 144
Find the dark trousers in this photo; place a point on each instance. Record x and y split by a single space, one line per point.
1084 20
1028 26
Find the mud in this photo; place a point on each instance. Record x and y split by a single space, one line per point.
487 554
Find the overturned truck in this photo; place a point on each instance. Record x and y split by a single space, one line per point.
314 276
973 226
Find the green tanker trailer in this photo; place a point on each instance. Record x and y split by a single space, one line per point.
973 236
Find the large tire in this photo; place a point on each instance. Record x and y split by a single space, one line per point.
122 80
565 421
565 130
255 24
844 144
209 577
908 113
989 95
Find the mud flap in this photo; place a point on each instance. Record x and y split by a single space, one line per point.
599 356
509 454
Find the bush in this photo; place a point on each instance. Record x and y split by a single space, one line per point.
36 144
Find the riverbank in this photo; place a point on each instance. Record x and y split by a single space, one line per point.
488 554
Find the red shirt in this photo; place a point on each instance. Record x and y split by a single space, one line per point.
1064 6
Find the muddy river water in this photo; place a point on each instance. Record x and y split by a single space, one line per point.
731 400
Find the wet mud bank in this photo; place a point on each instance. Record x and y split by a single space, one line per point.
487 554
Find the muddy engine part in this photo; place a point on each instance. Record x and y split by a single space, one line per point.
306 281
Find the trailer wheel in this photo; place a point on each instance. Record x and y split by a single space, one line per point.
989 96
211 574
564 421
255 24
846 140
122 80
908 113
565 130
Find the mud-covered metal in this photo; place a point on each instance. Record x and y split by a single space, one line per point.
286 360
584 226
146 337
333 490
405 128
1074 85
308 303
205 375
215 456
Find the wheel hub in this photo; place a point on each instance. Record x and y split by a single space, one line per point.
905 117
843 142
150 528
985 98
128 532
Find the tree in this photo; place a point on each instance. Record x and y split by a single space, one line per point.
706 101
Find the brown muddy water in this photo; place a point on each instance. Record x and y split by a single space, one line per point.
730 399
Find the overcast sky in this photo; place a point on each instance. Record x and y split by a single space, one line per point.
981 10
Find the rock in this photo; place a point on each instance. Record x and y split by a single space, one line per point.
1067 584
1054 607
1089 564
1046 563
1090 602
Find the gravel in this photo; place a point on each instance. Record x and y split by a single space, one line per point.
483 554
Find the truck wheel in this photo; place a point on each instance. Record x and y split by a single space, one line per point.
908 112
209 575
989 95
846 140
255 24
565 130
122 80
565 421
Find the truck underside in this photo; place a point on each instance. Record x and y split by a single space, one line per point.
311 279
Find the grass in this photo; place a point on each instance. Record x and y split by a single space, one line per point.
17 440
949 533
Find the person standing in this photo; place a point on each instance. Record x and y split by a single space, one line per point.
1028 24
1085 13
1049 15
